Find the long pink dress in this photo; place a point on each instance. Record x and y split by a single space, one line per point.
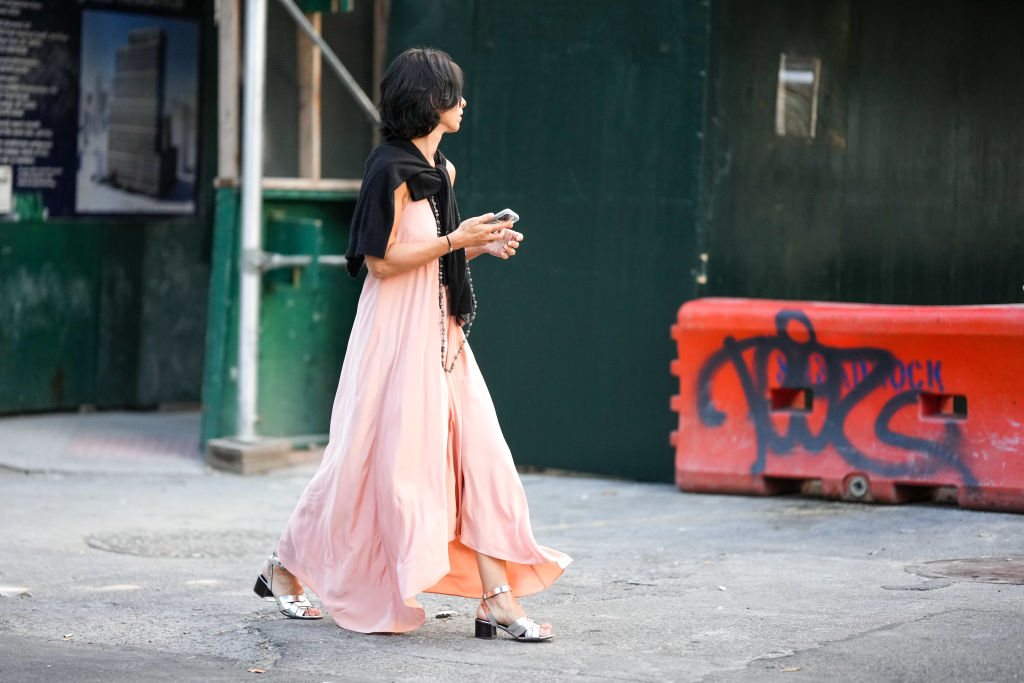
417 474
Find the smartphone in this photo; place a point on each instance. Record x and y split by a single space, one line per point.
498 246
504 215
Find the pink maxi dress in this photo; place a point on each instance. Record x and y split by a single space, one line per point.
416 475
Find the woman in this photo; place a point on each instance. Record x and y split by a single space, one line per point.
417 491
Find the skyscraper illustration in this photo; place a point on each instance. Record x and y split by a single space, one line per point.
140 156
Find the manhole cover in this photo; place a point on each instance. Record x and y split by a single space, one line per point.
184 544
982 569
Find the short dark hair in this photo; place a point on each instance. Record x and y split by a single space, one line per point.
420 83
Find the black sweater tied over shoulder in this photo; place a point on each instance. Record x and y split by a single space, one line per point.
391 164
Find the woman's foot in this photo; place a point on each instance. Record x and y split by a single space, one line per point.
281 585
506 610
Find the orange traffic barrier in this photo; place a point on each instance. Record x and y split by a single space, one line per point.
860 402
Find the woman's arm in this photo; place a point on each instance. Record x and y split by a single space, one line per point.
401 257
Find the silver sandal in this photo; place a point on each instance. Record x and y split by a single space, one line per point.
523 629
293 606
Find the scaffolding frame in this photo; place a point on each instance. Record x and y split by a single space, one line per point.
253 261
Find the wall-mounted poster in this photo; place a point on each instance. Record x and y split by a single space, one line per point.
99 104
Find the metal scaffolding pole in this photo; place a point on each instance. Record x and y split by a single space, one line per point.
251 218
227 17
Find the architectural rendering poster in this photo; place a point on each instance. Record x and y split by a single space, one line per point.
99 105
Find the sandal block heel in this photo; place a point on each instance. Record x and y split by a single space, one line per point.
262 589
292 606
484 629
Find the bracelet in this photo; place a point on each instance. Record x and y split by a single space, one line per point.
450 247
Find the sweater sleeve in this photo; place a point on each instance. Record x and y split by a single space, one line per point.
372 220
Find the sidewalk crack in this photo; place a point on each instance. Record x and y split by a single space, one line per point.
786 654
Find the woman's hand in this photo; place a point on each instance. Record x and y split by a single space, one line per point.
477 232
506 249
500 248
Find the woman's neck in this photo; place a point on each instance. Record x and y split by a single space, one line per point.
428 144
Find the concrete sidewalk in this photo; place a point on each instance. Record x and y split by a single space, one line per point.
103 443
134 564
111 443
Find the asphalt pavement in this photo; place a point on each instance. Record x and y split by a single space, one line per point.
125 558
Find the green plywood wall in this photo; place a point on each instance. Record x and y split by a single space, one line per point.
49 311
106 314
586 118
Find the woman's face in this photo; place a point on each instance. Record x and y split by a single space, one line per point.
451 119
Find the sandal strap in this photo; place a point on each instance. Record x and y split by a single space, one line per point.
523 627
294 605
497 591
297 611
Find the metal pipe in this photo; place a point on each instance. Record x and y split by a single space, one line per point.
250 237
227 86
346 78
275 261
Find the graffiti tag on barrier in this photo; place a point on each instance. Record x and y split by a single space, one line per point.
842 377
912 374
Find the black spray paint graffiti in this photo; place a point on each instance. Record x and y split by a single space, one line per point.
826 386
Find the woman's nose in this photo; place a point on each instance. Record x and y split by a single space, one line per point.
464 103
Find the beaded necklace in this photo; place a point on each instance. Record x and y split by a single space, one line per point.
440 300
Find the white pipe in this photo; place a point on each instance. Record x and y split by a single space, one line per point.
252 218
275 261
346 78
227 84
